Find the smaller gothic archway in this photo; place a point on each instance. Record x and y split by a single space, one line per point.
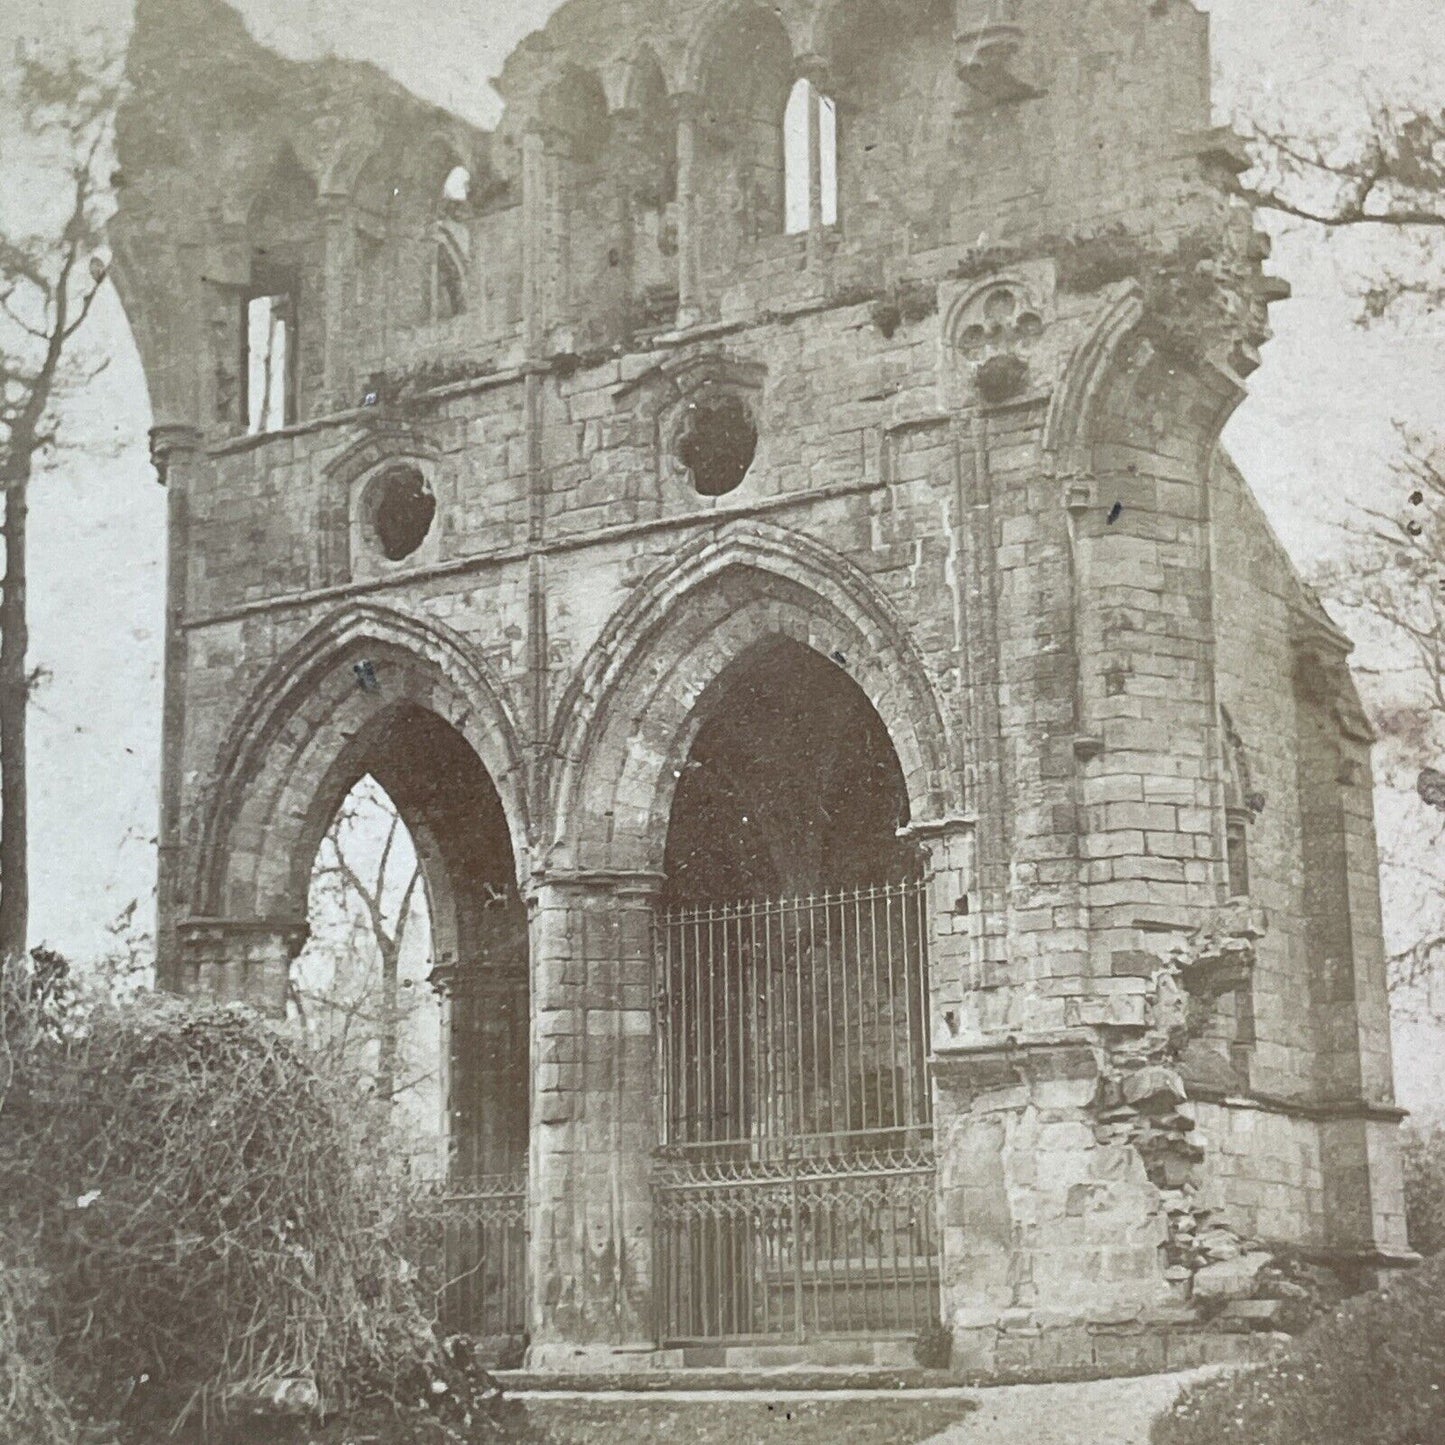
448 1021
371 704
791 785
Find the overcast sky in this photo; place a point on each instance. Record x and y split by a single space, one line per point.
1315 432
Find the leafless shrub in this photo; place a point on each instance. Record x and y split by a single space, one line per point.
212 1217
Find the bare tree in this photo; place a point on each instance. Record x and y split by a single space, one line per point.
1392 586
367 899
1386 173
49 280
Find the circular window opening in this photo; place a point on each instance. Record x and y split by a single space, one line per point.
405 507
719 444
458 185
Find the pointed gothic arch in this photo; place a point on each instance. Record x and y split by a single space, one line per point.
629 719
298 744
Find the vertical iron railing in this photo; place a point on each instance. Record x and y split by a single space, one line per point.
794 1184
468 1243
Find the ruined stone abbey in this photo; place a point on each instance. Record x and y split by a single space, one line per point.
897 830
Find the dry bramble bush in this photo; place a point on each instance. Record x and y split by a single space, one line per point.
194 1220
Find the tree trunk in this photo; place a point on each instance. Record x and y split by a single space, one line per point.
389 1043
14 706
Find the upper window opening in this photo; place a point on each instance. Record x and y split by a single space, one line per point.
811 118
828 158
269 340
458 185
405 508
719 444
450 297
655 165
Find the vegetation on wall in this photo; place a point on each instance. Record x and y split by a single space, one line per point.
1372 1373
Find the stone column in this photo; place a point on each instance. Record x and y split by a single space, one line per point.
560 183
689 294
626 139
230 960
339 283
534 240
487 1085
593 1116
175 452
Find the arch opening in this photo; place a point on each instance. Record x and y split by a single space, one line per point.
284 258
792 786
891 68
360 987
417 976
401 511
794 1037
575 106
745 75
718 443
655 153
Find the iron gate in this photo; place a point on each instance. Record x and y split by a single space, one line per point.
794 1184
469 1246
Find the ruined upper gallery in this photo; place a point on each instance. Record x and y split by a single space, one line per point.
654 167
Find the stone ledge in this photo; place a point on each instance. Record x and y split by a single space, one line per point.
702 521
1070 1053
1316 1110
1046 1356
1087 1351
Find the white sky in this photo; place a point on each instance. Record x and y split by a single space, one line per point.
1316 431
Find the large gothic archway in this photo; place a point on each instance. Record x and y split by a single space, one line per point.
791 785
628 723
749 737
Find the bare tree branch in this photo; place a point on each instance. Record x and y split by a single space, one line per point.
1388 174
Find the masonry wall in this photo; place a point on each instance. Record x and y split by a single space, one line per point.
985 481
1292 1053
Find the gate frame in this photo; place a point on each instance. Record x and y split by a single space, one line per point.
681 1167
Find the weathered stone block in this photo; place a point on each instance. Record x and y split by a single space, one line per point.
1152 1087
1231 1279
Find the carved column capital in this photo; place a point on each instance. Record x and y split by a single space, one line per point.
170 441
987 41
687 106
816 70
641 884
240 960
452 979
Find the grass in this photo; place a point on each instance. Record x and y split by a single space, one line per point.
889 1420
1371 1373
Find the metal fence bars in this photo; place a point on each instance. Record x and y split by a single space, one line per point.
794 1185
468 1243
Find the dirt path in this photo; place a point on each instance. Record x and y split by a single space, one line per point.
1100 1412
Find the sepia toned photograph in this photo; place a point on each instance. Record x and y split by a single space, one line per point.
722 721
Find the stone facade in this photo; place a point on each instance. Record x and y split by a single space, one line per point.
961 438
